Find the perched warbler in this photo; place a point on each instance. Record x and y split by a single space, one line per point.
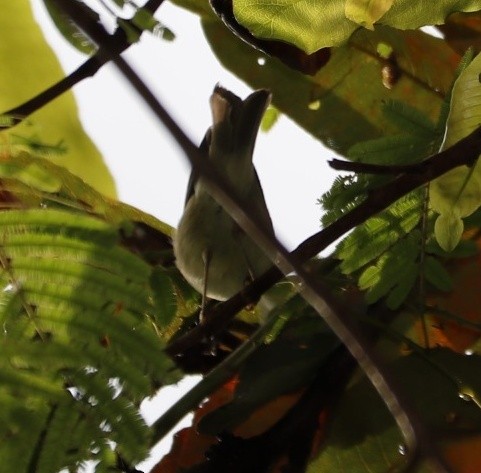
212 252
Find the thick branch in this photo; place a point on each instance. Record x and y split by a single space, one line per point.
88 69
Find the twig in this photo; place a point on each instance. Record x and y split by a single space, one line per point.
88 69
335 315
366 168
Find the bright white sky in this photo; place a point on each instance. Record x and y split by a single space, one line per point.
149 170
147 165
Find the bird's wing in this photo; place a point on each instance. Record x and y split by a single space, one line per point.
204 150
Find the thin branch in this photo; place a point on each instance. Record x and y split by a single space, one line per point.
335 315
89 68
422 266
366 168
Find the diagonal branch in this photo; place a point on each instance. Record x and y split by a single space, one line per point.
465 152
89 68
418 442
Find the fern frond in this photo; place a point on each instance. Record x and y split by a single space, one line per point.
55 441
345 194
374 237
397 149
394 270
118 419
383 252
80 348
409 120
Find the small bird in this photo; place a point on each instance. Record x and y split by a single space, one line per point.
212 252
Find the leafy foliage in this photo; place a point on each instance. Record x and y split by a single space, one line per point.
79 349
312 26
141 20
70 31
387 251
457 194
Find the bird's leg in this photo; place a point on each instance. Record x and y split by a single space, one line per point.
206 256
250 276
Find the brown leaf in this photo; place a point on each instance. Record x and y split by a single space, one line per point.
464 302
462 31
189 446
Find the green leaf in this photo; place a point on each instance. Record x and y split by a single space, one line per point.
164 296
48 185
396 149
457 194
458 191
307 24
62 419
366 12
437 275
464 249
349 87
270 118
32 175
448 230
345 194
386 243
312 25
400 292
395 268
69 29
28 67
144 20
464 62
409 120
131 31
378 234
